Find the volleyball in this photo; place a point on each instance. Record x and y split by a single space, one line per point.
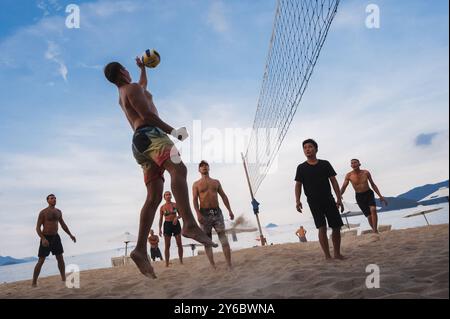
151 58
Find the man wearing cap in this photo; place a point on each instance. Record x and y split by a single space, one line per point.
209 214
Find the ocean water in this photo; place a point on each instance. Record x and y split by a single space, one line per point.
278 235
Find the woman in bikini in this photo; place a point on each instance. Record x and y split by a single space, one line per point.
172 226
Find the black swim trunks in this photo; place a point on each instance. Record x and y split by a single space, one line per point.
171 230
55 246
365 201
155 253
325 210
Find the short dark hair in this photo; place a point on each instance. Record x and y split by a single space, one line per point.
203 162
355 159
50 195
112 71
311 141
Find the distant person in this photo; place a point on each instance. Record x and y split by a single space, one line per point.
154 151
365 196
153 240
209 214
169 213
301 234
315 176
50 242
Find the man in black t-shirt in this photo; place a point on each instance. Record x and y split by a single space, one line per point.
315 176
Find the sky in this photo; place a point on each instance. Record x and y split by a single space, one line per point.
380 95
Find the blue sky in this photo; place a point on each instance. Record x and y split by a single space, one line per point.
374 95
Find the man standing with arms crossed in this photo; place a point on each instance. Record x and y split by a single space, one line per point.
209 214
155 152
315 176
47 229
365 196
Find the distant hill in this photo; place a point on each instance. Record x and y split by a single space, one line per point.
421 192
271 225
395 203
417 196
8 260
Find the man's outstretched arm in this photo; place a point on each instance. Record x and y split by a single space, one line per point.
345 185
375 188
143 77
225 200
66 229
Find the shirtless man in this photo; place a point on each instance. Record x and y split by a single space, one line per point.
169 213
301 234
155 152
209 214
153 240
365 196
50 240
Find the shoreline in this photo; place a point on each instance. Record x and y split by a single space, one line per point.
413 263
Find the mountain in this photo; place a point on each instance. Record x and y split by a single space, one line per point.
271 225
421 192
395 203
8 260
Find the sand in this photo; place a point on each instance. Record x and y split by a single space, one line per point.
413 263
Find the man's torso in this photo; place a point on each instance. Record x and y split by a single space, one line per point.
360 181
51 217
133 117
153 240
207 192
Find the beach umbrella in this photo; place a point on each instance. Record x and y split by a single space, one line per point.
351 210
125 238
423 213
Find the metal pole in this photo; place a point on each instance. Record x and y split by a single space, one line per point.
426 219
261 236
126 248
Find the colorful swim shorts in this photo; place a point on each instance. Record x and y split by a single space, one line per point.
151 146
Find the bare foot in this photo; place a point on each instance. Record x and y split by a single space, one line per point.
340 257
143 264
197 234
34 285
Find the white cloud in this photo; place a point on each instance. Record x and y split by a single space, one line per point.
217 17
53 54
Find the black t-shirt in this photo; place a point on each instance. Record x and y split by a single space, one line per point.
315 179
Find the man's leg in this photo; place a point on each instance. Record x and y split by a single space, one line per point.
225 247
139 254
167 240
37 270
374 218
178 175
209 253
324 241
61 267
180 247
336 236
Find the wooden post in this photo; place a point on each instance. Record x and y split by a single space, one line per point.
261 236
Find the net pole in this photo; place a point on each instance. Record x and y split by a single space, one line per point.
261 236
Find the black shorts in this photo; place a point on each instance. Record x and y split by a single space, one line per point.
172 230
55 246
324 211
155 253
365 201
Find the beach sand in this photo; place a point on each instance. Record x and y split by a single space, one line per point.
414 263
